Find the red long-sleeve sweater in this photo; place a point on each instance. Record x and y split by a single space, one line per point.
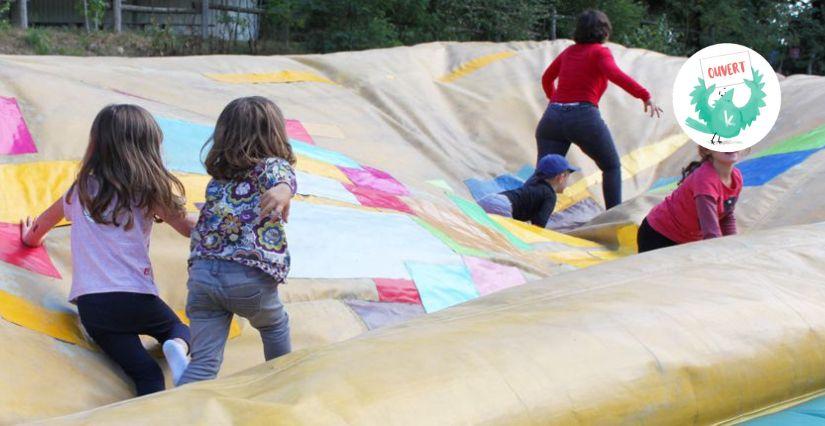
583 71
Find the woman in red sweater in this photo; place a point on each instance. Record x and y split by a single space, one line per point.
583 70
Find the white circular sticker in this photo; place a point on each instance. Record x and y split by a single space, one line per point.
726 97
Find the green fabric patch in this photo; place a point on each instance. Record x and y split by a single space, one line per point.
814 139
478 214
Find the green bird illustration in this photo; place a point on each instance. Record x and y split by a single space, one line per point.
724 119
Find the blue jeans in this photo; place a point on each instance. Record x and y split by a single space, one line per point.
217 290
582 125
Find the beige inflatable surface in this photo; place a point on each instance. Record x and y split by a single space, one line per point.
407 303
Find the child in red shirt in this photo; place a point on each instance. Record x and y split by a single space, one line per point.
700 208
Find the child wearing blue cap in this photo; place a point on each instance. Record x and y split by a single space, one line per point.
536 199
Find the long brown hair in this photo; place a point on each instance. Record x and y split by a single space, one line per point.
124 162
704 155
592 26
249 130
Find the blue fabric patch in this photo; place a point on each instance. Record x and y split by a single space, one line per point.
758 171
482 188
442 286
809 413
525 172
321 154
182 143
665 182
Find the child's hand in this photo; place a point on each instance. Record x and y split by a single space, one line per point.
652 109
277 200
27 228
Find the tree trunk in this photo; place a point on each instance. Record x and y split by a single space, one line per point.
118 15
24 14
86 16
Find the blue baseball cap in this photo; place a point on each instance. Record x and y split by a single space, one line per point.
553 164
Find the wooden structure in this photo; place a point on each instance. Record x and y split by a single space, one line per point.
227 19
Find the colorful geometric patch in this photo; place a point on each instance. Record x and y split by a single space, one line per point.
286 76
397 290
30 188
479 215
182 144
339 242
442 285
378 180
321 154
319 186
758 171
13 251
490 277
296 130
474 65
371 198
15 138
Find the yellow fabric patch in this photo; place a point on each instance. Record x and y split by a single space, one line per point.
60 325
627 238
286 76
584 258
533 234
474 65
30 188
195 187
320 168
632 163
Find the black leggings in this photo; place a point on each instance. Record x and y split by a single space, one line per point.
582 125
649 239
115 320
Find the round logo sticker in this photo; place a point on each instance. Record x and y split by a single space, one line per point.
726 97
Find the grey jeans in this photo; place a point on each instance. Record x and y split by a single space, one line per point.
217 290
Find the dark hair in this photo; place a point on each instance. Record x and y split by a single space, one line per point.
123 160
249 130
593 26
704 154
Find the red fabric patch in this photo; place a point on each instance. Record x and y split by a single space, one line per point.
397 290
13 251
296 130
372 198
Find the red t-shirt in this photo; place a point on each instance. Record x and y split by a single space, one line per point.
583 71
676 217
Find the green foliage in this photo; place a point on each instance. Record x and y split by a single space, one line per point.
93 11
163 40
39 41
5 8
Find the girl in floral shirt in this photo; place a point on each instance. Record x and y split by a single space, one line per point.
239 250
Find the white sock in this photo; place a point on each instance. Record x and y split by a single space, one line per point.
175 353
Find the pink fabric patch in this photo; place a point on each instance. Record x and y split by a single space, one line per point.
14 135
296 130
372 198
14 252
397 290
491 277
375 179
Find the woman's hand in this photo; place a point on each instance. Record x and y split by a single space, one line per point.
654 109
27 231
276 200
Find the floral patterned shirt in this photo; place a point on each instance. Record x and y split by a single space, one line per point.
230 226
